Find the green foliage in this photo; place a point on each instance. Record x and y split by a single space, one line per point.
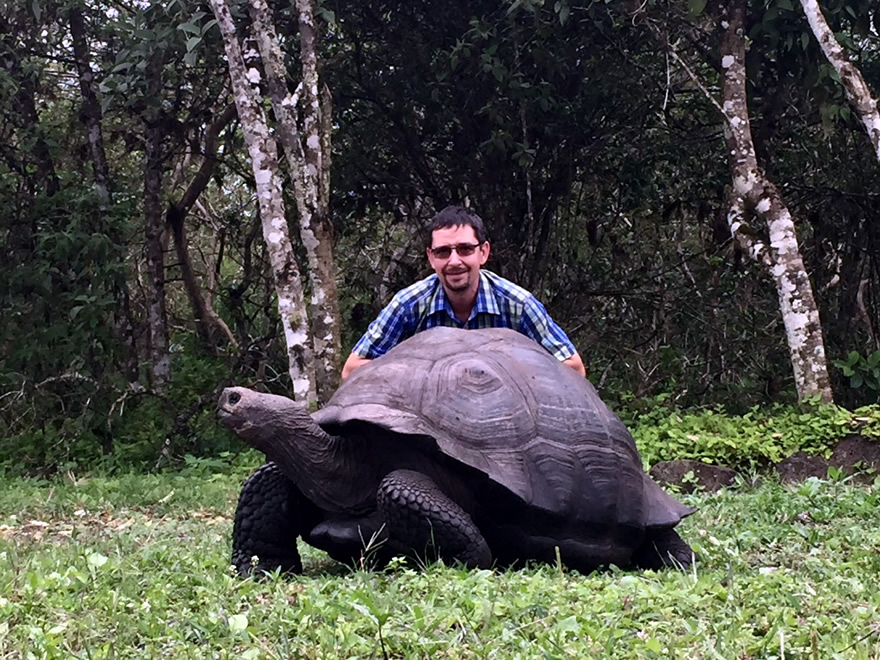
601 179
59 300
756 439
696 7
58 340
161 430
175 32
73 315
863 371
134 567
117 428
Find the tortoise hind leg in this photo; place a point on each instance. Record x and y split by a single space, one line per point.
270 515
663 548
421 517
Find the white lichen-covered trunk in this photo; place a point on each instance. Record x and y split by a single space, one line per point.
857 90
307 147
264 161
754 194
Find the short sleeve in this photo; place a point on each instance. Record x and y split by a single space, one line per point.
537 324
385 332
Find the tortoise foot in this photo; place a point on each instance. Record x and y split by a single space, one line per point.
663 549
423 518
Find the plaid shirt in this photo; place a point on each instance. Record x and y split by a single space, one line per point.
500 304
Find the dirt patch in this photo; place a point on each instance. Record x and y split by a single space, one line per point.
854 456
63 528
690 475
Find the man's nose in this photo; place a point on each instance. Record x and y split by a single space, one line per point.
454 258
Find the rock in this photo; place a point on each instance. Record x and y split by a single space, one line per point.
690 475
855 456
859 456
801 466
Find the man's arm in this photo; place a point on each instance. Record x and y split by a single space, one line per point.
384 332
393 325
353 362
574 362
537 324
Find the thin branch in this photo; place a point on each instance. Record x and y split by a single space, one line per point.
697 81
857 90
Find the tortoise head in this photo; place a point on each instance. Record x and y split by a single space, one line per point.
259 418
288 435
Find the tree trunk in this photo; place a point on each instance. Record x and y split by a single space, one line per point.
92 116
857 90
308 158
91 111
757 195
154 220
206 319
264 161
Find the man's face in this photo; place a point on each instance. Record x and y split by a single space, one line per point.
458 274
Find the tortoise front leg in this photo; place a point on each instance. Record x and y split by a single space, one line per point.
271 514
423 518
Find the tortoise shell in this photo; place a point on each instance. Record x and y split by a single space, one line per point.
499 403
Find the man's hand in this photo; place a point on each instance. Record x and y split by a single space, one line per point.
353 362
574 362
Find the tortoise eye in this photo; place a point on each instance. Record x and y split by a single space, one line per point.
234 398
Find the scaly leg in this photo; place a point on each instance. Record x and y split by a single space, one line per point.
423 518
271 514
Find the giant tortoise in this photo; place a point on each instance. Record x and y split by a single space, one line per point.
474 446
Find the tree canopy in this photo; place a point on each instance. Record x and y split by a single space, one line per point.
135 281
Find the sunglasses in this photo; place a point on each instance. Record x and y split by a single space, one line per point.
462 249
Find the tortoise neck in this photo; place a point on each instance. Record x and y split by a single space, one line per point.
320 464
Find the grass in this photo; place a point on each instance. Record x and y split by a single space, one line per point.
137 567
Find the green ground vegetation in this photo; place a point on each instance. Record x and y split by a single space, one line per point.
137 566
756 439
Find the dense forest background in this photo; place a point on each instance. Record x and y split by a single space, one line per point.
134 275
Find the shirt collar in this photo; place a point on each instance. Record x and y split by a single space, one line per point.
485 302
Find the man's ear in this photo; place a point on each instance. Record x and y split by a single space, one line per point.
485 249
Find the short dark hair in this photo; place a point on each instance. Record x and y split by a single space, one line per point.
457 216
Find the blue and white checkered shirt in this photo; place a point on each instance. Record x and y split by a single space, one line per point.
500 304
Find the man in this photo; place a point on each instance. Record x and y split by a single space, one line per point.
461 294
